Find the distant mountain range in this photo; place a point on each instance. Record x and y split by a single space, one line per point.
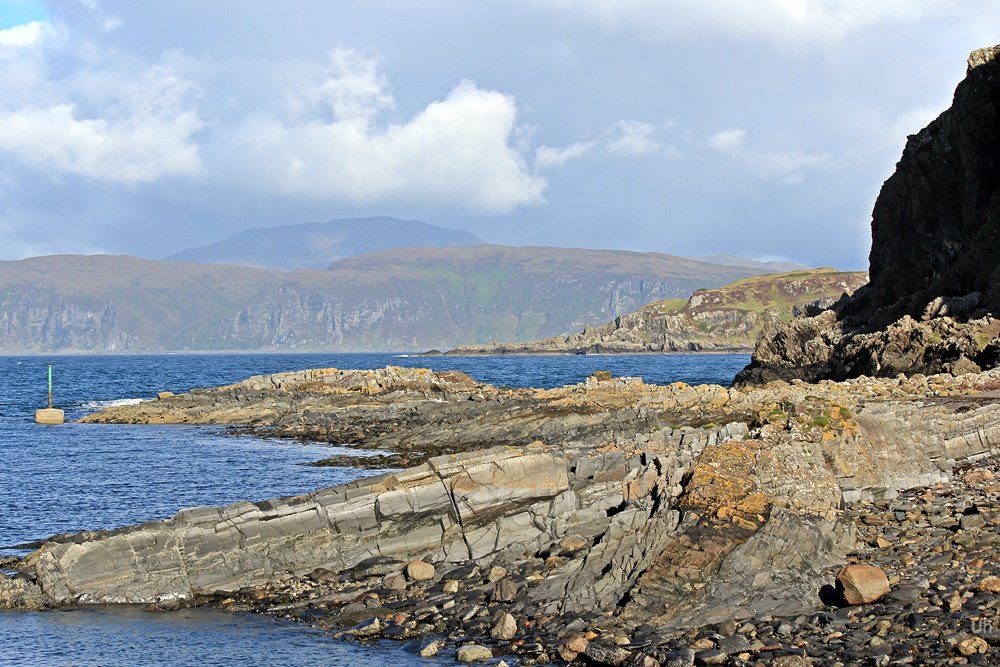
728 318
398 299
316 245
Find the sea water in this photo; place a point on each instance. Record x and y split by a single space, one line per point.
56 479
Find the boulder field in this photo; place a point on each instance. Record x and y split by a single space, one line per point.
611 521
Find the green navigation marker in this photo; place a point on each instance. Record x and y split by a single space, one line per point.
49 415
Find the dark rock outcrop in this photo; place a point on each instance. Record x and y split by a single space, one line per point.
820 347
936 223
935 260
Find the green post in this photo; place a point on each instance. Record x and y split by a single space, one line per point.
50 415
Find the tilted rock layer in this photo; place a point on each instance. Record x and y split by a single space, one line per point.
934 290
614 508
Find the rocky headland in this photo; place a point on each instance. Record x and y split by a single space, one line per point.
725 319
932 301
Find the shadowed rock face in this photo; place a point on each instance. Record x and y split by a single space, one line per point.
936 223
934 263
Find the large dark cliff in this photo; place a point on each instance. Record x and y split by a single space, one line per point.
936 222
935 260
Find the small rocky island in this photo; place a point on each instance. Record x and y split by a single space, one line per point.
851 519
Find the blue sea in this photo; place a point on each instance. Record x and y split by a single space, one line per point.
57 479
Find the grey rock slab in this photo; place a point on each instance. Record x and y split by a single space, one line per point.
473 653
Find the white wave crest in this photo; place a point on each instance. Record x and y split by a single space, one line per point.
100 405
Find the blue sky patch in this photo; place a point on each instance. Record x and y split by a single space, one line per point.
17 12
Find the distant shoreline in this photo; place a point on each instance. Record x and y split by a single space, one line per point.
409 353
450 353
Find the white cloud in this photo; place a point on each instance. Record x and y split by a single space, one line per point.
632 138
18 38
24 35
143 133
728 141
353 87
787 167
456 151
624 138
797 22
549 157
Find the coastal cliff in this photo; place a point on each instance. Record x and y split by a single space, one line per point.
936 223
723 319
934 293
402 299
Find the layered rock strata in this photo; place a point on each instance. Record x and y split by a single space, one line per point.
414 413
616 522
934 295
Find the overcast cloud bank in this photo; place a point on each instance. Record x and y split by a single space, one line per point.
691 128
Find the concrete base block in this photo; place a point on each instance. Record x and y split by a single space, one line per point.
49 416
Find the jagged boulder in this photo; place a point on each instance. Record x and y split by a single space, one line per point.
818 348
862 584
20 594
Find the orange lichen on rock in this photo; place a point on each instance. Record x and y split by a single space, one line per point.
722 484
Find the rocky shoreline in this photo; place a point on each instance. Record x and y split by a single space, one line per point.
936 544
587 523
517 350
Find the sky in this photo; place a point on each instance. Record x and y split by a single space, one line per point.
761 128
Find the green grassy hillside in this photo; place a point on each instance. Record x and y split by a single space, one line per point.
402 299
724 318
